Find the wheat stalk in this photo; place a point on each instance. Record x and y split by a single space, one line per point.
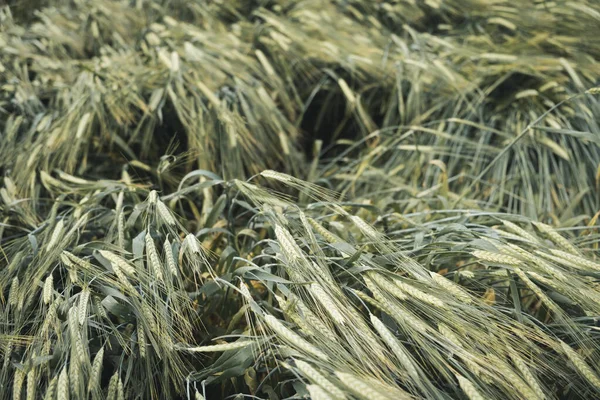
84 299
32 383
385 283
48 290
398 350
62 390
452 287
141 338
315 376
95 374
319 293
292 338
364 389
240 344
18 384
468 388
538 292
514 228
556 237
581 365
495 258
152 256
165 213
529 378
575 259
13 293
317 393
51 389
171 264
412 291
56 235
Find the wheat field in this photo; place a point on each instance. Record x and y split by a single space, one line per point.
299 199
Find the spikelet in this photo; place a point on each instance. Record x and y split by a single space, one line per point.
192 243
312 321
84 299
292 338
51 389
516 381
56 235
72 267
32 383
13 294
557 238
100 308
535 289
165 213
112 386
62 390
398 350
328 236
385 284
46 348
152 256
400 316
8 349
75 336
124 280
220 347
363 388
315 376
368 299
580 261
316 393
317 291
526 373
581 365
289 311
514 228
277 176
149 317
508 235
48 290
74 379
171 264
96 372
152 198
453 338
121 230
18 384
365 228
468 388
117 262
314 191
541 264
495 257
120 390
288 244
452 287
141 338
50 317
594 90
419 294
467 274
71 260
245 292
119 202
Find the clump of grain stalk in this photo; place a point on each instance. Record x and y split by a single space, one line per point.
440 241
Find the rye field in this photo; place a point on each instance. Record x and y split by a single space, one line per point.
300 199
